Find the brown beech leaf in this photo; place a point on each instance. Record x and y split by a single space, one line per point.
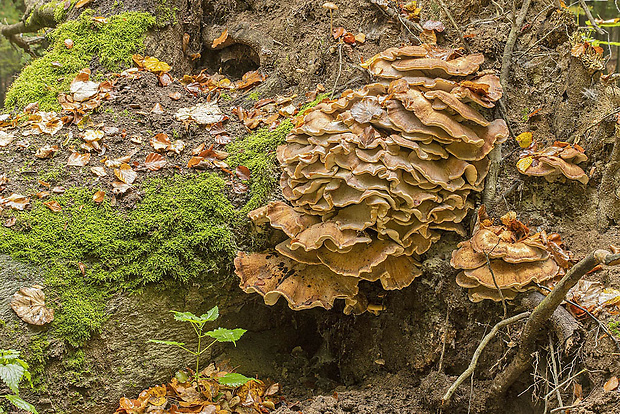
46 151
611 384
15 202
69 43
161 142
242 172
10 222
43 194
223 139
221 39
53 205
154 161
119 187
165 79
98 196
175 96
29 304
125 174
98 171
78 160
157 109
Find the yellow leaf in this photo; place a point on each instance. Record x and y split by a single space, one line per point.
155 65
524 163
524 140
82 3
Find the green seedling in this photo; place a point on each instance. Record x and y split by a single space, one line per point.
218 335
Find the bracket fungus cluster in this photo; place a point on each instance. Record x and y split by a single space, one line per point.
375 177
553 162
507 257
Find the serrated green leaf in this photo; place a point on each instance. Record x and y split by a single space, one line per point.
157 341
186 317
12 374
211 315
21 404
233 379
226 335
9 354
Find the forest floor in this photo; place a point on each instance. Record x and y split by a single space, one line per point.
399 361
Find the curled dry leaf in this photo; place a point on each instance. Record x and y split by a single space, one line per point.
53 205
349 38
175 96
126 174
177 147
15 202
69 43
360 38
221 39
10 222
203 114
339 31
161 142
98 196
154 161
29 304
155 65
46 151
78 160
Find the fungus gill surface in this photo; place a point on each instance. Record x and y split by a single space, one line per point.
517 260
375 177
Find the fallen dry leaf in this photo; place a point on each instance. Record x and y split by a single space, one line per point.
175 96
78 160
98 196
242 172
53 205
221 39
15 202
29 304
157 109
119 187
154 161
160 142
5 138
611 384
524 139
69 43
98 171
46 151
81 3
348 38
10 222
126 174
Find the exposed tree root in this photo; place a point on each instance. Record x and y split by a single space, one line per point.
539 317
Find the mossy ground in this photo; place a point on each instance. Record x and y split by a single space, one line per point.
111 43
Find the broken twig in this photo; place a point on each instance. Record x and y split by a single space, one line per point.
474 360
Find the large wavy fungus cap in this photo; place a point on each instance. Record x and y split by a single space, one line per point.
375 177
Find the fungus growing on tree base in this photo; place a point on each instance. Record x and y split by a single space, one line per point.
508 258
375 177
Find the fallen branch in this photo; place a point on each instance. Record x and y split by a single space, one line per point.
541 314
562 322
474 360
36 18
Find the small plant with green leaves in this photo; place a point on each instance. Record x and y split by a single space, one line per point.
614 328
218 335
12 371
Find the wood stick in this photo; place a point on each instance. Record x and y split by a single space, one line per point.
474 360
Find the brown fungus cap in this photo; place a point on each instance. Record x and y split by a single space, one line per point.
507 257
553 162
381 173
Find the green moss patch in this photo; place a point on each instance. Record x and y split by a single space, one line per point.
112 43
179 232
